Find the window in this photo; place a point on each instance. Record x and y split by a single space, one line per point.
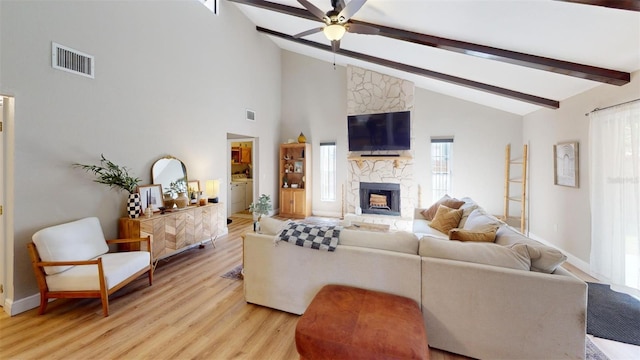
328 171
441 150
614 140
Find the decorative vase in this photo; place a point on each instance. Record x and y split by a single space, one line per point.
302 139
134 207
182 201
168 201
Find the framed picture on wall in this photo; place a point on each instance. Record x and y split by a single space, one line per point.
565 163
151 195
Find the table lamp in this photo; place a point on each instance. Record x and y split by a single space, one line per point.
213 188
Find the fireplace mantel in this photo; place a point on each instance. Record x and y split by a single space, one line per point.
396 159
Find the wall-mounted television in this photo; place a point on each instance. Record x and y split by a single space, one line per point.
383 131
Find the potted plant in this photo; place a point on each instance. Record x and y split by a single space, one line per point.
117 177
259 208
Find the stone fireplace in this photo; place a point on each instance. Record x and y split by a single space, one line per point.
380 198
394 196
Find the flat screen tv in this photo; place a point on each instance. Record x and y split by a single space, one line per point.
384 131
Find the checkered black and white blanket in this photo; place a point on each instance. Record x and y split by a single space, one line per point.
311 236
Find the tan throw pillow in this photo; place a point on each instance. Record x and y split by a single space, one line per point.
446 200
488 235
446 219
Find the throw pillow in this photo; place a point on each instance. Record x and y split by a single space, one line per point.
479 221
467 208
446 200
446 219
488 235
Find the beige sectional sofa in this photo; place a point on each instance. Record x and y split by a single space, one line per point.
502 300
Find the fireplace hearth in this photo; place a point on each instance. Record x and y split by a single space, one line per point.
380 198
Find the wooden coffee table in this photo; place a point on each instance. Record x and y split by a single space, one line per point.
357 225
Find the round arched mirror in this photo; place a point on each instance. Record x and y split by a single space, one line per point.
169 172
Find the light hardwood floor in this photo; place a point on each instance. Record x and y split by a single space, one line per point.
190 312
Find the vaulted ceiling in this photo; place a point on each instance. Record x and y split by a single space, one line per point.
513 55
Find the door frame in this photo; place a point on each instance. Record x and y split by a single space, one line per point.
7 146
254 163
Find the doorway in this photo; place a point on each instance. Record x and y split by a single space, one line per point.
241 173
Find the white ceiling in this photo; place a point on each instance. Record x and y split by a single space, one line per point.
584 34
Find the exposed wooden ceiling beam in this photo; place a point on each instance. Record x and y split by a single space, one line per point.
536 100
632 5
593 73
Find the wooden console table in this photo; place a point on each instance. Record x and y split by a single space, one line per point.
173 231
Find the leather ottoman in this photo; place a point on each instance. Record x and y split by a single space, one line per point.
344 322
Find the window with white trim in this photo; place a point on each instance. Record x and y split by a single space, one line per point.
441 151
328 171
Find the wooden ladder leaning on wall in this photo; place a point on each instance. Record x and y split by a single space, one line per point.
507 186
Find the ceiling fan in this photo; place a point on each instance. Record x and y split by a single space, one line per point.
337 21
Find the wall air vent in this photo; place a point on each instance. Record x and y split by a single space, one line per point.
251 115
73 61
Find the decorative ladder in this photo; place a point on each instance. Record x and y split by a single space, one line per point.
507 185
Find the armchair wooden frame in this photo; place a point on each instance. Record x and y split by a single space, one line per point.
103 293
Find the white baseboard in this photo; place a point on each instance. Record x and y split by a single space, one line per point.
572 259
19 306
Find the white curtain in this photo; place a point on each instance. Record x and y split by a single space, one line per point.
614 140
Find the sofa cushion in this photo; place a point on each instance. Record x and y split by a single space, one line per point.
514 257
446 219
543 258
488 235
421 227
271 226
116 266
399 241
446 200
77 240
479 221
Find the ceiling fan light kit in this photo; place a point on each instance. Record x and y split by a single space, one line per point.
337 21
334 32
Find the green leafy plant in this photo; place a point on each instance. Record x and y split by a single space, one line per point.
176 187
117 177
262 206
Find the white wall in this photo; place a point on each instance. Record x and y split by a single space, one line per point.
558 214
171 78
314 101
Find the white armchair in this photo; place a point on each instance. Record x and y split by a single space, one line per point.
72 260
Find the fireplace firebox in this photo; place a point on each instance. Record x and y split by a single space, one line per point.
380 198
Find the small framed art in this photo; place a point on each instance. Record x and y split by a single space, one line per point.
565 164
193 185
151 196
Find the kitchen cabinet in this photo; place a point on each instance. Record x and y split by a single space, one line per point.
237 194
241 155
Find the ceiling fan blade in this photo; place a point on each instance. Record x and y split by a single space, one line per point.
335 45
352 7
314 10
362 29
308 32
